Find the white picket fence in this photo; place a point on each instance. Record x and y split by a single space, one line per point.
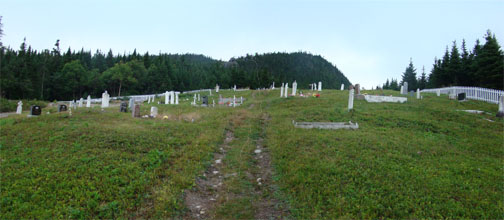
475 93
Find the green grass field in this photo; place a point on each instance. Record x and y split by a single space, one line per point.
420 159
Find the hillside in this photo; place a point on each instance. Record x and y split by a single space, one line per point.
421 159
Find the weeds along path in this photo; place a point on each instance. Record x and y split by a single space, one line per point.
238 184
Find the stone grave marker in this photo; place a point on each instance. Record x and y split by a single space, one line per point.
357 89
35 110
500 113
342 87
153 111
19 108
281 91
350 99
205 101
81 102
131 104
123 107
88 102
350 87
294 88
461 96
286 90
105 99
62 108
320 86
176 98
135 112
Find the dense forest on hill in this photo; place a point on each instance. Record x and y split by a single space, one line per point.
481 67
57 75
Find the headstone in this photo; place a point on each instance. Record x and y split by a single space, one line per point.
234 88
148 99
105 99
281 91
418 93
194 100
19 109
176 98
88 102
273 86
342 87
205 101
315 87
172 97
350 87
153 111
135 112
210 92
217 87
402 90
438 92
411 93
320 86
199 97
461 96
81 101
35 110
213 102
62 108
294 88
241 100
357 89
123 107
74 104
131 104
405 84
286 90
500 113
167 96
234 101
350 99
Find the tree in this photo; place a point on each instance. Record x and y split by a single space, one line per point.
454 66
422 81
409 76
1 33
72 79
490 64
120 73
464 74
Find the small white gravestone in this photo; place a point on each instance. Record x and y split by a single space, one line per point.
320 86
153 111
81 101
273 86
194 100
148 99
281 91
500 113
286 92
350 99
438 92
88 102
402 90
172 97
217 87
166 99
241 100
418 93
294 88
234 101
342 87
19 109
131 104
405 88
234 88
210 92
70 104
213 102
176 98
105 99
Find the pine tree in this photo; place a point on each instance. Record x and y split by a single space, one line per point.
409 76
422 81
490 64
454 65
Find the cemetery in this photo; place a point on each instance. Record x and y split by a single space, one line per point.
331 148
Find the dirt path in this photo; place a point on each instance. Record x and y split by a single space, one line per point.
202 199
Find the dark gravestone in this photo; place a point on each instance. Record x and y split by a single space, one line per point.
123 107
62 108
411 93
35 110
135 112
357 89
461 96
205 100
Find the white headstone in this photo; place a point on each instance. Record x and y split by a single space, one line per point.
194 99
500 113
342 87
172 97
281 91
294 88
105 99
350 99
273 86
19 109
81 101
213 102
88 102
234 101
153 111
166 98
234 88
418 93
286 92
217 87
320 86
438 92
210 92
74 104
402 90
176 98
405 88
241 100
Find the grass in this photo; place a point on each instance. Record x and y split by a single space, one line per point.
420 159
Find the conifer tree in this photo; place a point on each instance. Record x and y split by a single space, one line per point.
409 76
490 64
422 81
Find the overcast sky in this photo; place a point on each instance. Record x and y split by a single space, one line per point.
369 41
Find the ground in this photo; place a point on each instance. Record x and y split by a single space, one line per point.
420 159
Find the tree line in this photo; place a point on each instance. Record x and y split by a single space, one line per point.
481 67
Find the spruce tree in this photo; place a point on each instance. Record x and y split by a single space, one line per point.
409 76
454 65
464 78
422 81
490 64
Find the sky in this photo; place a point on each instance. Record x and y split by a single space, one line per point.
369 41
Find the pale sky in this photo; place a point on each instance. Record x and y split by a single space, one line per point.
369 41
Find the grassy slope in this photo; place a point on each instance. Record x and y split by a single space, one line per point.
419 159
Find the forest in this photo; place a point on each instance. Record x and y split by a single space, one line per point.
481 67
56 75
